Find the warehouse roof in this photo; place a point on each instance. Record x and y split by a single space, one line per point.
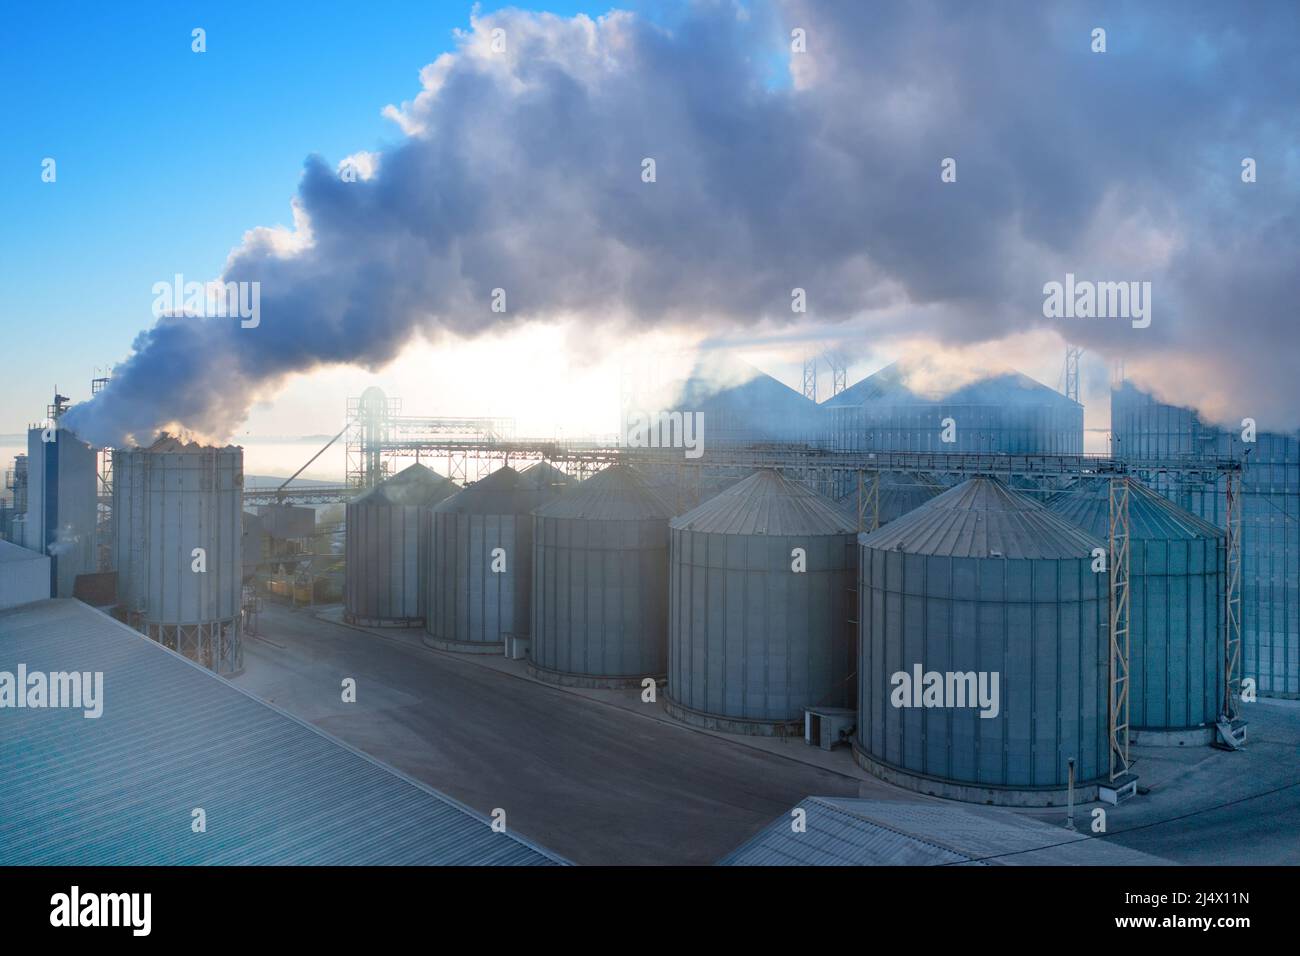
120 789
1151 516
619 493
767 503
983 518
842 831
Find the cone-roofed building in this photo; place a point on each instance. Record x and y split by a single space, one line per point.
386 549
759 627
1176 580
983 650
480 569
600 582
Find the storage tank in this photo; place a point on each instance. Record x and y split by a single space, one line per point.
994 596
481 568
1176 584
1142 427
386 550
897 493
760 579
168 500
600 583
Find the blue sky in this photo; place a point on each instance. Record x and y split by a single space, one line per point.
165 157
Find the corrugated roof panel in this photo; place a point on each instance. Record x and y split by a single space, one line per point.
843 831
836 837
120 789
767 503
982 518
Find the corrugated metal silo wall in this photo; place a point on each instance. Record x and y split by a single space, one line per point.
1011 429
1176 653
386 554
751 640
468 601
600 596
1270 522
1039 624
166 504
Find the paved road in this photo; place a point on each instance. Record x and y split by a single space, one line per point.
592 782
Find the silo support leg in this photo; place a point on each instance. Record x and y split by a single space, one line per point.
1122 783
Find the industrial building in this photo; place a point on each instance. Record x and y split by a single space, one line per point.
1269 503
759 608
600 583
481 559
387 548
175 744
1176 569
62 504
982 583
1007 413
178 547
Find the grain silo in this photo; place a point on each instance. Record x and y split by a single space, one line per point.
760 581
1142 427
983 650
896 493
600 583
170 500
1176 583
387 549
481 560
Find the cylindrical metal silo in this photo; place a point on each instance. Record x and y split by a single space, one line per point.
1176 584
760 578
600 583
386 550
480 568
983 650
169 500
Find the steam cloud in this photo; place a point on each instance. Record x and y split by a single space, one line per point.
522 171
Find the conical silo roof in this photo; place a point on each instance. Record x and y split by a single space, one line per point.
899 492
544 475
1151 516
619 493
504 492
414 485
983 518
767 503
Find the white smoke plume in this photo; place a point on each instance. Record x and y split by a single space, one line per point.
520 169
